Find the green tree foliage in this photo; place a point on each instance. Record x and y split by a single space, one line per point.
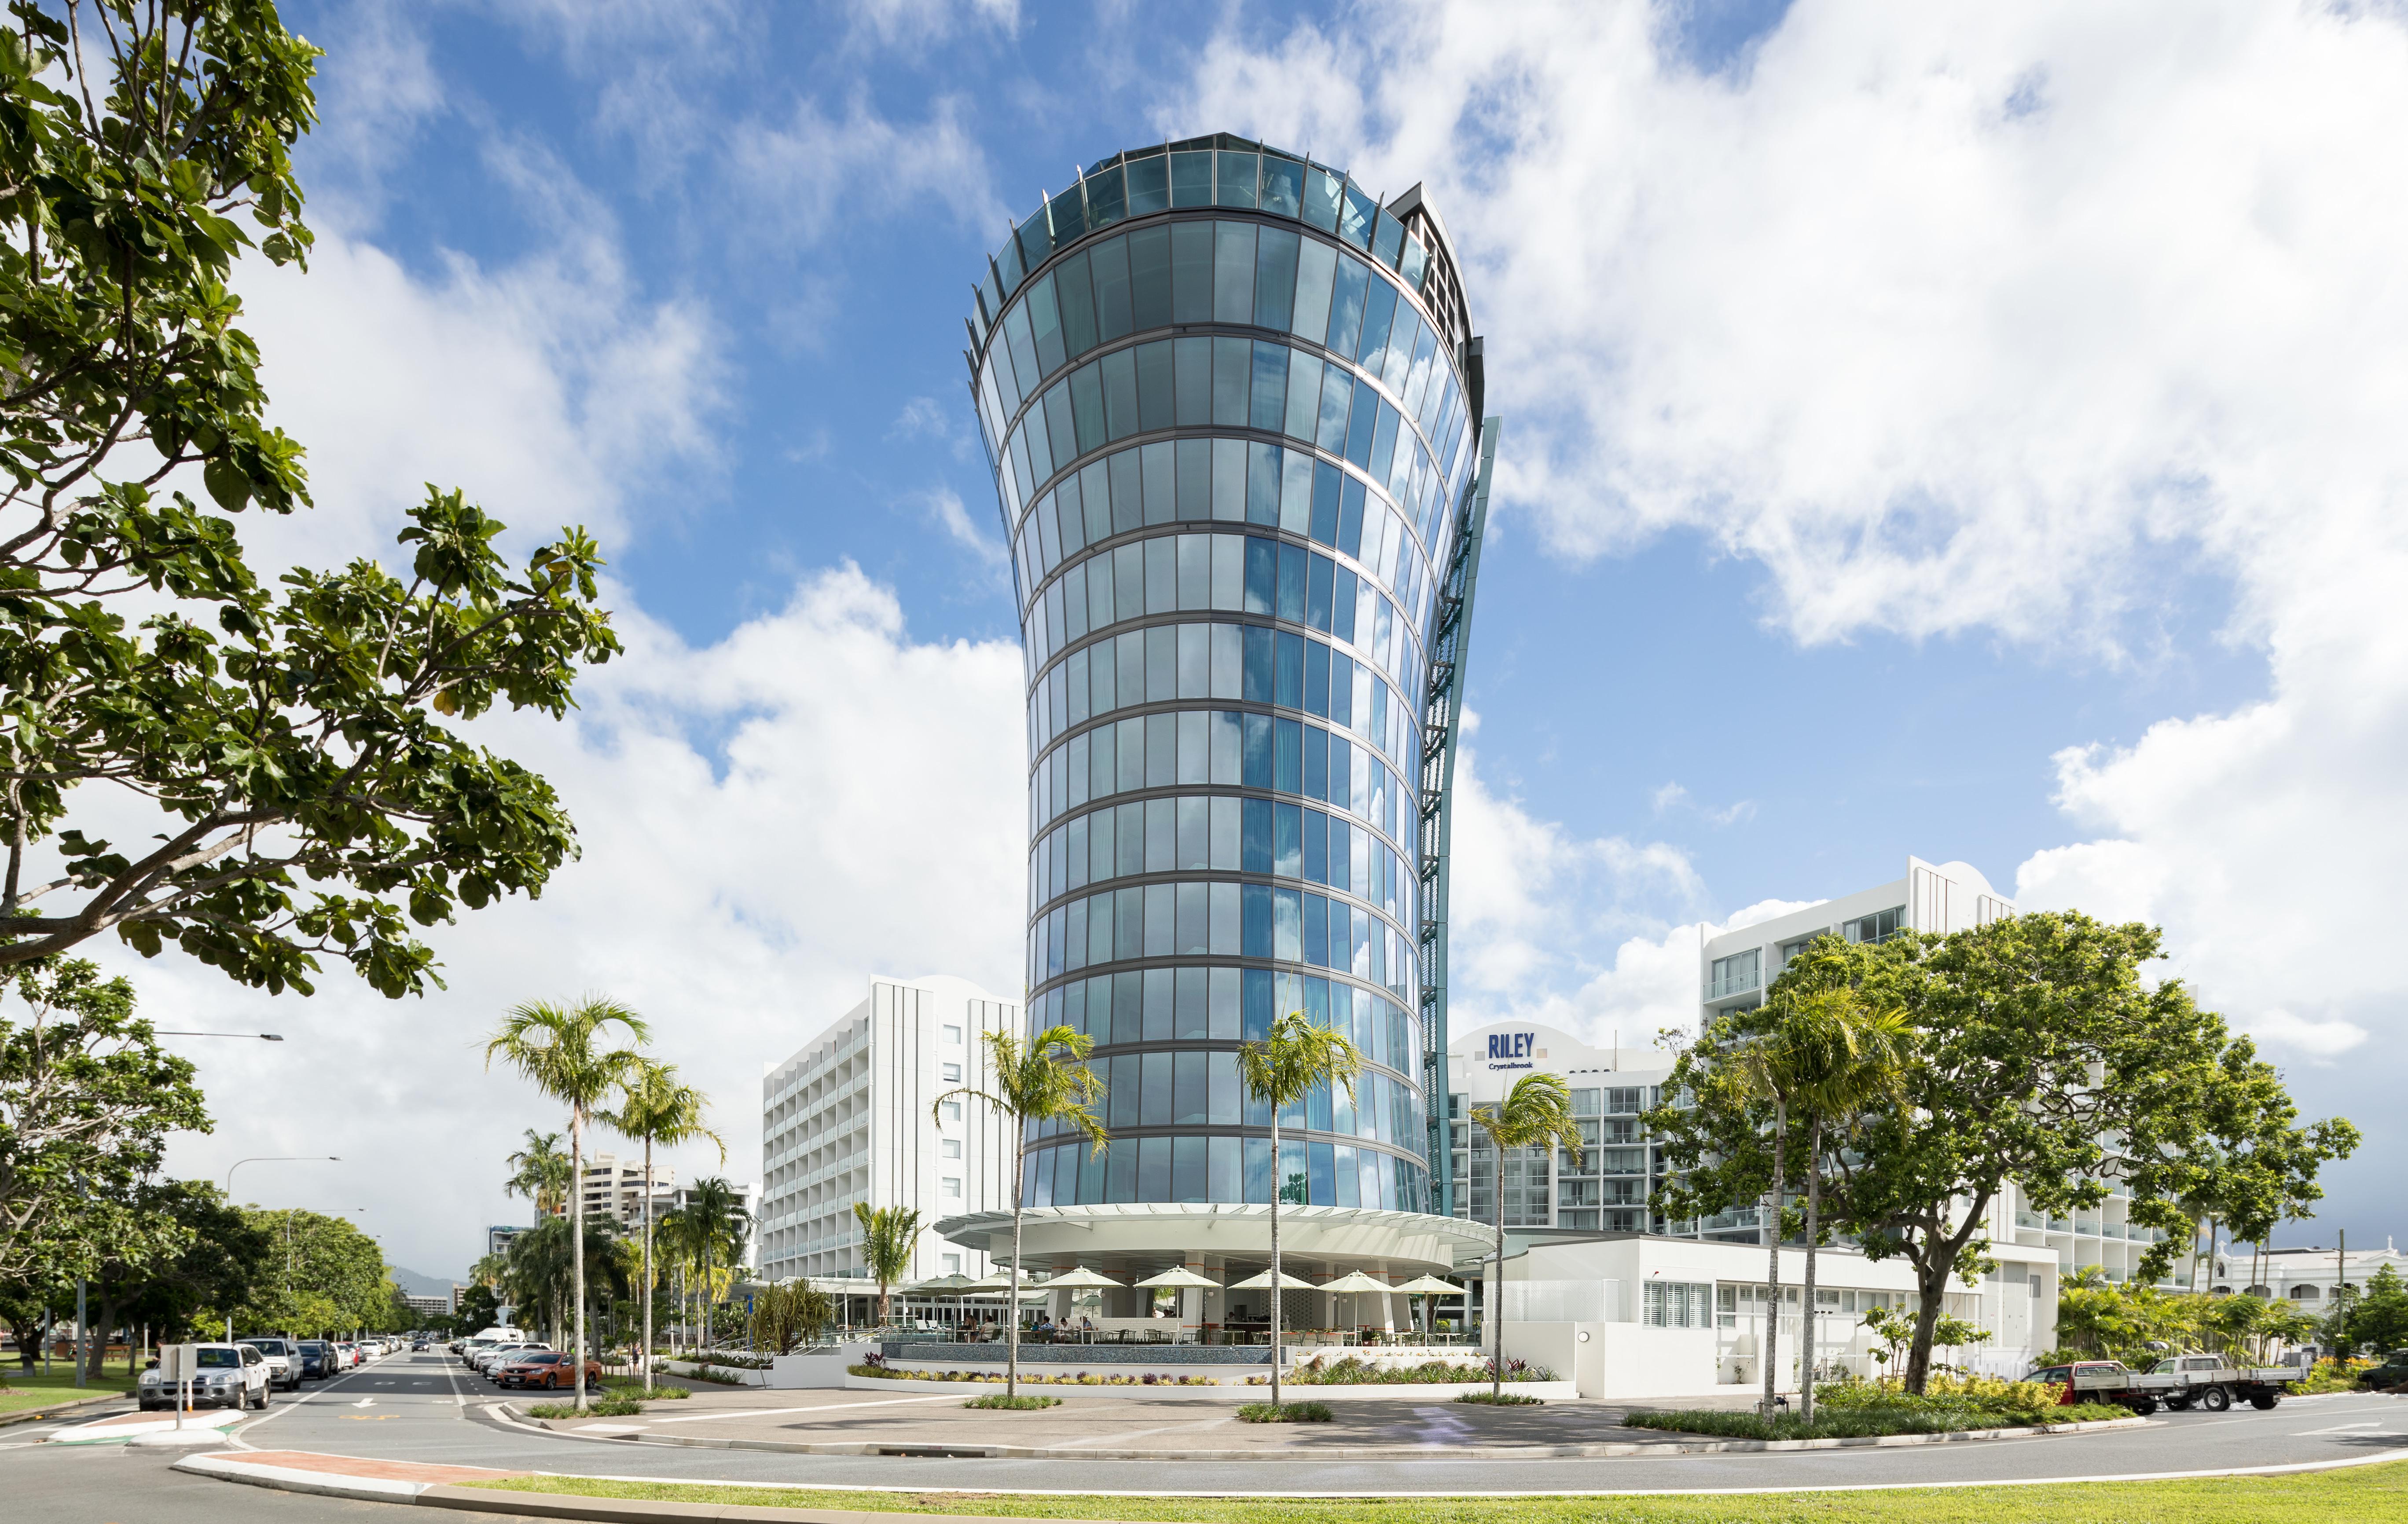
539 1275
322 1276
480 1307
712 1229
565 1051
2040 1058
1536 1113
215 1258
790 1315
2376 1319
1045 1080
1893 1332
1290 1062
656 1107
87 1100
279 737
889 1235
539 1172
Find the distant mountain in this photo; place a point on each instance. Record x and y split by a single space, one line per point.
418 1285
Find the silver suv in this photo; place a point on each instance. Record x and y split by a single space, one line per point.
230 1375
284 1360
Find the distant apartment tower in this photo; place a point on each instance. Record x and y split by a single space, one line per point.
676 1197
497 1238
1942 897
616 1187
847 1119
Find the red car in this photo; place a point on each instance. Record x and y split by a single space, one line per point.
547 1368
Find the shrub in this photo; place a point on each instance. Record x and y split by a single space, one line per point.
1500 1399
1284 1413
634 1393
1352 1371
613 1406
1023 1402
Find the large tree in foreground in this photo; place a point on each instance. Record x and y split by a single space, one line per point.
1045 1080
1290 1062
566 1052
1537 1113
281 765
2040 1058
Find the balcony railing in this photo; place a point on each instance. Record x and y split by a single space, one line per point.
1731 984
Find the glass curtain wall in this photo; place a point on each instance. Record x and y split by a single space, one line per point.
1220 390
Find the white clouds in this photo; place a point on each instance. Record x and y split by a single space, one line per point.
944 505
2032 318
546 391
796 174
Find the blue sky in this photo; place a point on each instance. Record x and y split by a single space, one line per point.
1924 435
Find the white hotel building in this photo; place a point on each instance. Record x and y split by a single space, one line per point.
847 1119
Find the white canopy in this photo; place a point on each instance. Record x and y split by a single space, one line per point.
996 1281
1081 1279
1355 1282
1263 1281
1182 1279
1427 1286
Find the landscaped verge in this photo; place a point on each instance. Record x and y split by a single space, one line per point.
1351 1372
1869 1409
1084 1378
2362 1492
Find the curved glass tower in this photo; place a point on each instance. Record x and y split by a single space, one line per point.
1233 404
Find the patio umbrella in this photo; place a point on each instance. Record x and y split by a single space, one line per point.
1427 1287
956 1283
1081 1279
1180 1279
1353 1284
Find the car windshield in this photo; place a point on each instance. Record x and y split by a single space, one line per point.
219 1359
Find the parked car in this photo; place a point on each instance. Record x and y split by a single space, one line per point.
320 1360
283 1361
2391 1376
229 1375
418 1346
495 1359
550 1369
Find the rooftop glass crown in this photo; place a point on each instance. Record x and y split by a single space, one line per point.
1223 170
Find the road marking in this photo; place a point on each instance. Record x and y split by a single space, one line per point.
364 1402
2338 1429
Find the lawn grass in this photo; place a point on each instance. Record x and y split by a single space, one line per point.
21 1389
2356 1495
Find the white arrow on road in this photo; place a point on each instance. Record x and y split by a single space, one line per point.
364 1402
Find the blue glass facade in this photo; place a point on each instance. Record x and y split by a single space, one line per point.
1225 394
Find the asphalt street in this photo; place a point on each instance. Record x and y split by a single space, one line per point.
426 1408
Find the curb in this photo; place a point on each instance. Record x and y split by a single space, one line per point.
32 1415
502 1412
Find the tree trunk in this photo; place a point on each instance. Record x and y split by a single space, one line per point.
1276 1308
1011 1275
576 1241
1813 1221
1496 1286
96 1356
1772 1252
644 1363
1933 1288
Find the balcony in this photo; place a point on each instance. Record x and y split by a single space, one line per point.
1731 984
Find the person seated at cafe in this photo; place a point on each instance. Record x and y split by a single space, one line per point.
1086 1323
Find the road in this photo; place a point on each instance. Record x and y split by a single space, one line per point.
424 1407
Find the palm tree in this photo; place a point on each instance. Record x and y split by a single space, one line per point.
1294 1058
1843 1060
719 1225
563 1051
654 1106
1536 1113
1045 1079
539 1172
888 1236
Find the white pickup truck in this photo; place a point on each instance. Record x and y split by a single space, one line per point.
2178 1382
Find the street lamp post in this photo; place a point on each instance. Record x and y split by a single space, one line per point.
268 1159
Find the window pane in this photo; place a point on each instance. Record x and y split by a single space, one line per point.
1149 184
1191 272
1233 280
1237 181
1191 180
1315 270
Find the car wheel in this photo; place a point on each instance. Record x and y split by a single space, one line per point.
2145 1407
2264 1402
2215 1398
2179 1404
